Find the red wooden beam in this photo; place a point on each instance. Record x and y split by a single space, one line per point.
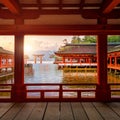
110 5
34 13
60 29
38 4
82 4
62 5
12 5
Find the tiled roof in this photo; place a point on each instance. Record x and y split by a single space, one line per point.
82 48
115 49
3 51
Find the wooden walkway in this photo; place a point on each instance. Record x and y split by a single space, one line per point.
60 111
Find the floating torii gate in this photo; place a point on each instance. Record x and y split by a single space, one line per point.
38 56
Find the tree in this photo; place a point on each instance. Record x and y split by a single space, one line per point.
113 38
65 41
76 40
90 39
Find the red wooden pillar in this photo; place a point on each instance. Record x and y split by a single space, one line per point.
0 60
12 63
71 60
115 60
80 60
63 59
7 58
40 59
18 90
0 63
35 59
103 89
110 60
89 60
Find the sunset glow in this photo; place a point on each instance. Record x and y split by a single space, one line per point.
27 49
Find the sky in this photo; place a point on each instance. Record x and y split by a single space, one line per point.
43 43
35 43
7 42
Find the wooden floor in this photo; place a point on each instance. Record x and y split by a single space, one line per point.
60 111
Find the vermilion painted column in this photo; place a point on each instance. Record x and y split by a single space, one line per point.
110 60
40 59
63 59
103 90
0 61
7 64
71 60
35 59
115 60
18 90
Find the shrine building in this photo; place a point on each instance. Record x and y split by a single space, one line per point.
82 55
6 60
59 17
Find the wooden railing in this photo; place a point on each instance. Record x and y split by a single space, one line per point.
58 92
8 65
115 91
76 64
61 92
114 66
79 70
5 92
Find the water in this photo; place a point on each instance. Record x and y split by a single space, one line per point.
44 73
7 79
47 72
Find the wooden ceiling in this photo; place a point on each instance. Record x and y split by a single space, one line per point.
101 11
87 8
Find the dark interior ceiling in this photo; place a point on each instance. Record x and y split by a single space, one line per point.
89 9
80 16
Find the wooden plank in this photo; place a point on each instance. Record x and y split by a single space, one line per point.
106 112
78 111
10 115
25 112
66 111
91 112
115 106
38 111
4 107
52 112
60 111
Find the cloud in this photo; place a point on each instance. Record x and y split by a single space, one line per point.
35 42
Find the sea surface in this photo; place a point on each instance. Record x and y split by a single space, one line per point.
47 72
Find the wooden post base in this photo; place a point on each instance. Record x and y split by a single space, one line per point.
103 94
18 93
